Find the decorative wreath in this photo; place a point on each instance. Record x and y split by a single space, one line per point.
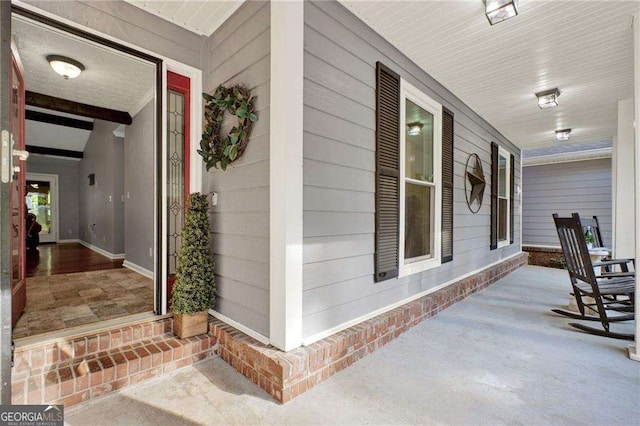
220 151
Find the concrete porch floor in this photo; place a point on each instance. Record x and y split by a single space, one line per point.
498 357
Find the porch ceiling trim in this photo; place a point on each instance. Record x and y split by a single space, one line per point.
567 157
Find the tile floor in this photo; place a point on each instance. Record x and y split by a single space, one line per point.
67 300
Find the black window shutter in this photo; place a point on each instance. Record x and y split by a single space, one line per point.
387 173
512 191
447 185
494 196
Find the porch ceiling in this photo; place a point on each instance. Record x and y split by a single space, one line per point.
199 16
584 48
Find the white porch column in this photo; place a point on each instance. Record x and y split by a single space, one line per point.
634 350
623 179
285 218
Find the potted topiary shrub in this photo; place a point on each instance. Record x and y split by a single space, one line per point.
193 290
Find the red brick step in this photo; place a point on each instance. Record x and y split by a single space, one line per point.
92 373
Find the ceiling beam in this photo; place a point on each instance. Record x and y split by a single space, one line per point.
70 107
43 117
53 151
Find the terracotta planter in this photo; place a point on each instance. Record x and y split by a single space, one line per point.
188 325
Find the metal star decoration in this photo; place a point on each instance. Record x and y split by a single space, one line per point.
475 176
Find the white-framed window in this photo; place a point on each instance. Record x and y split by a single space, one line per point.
504 198
420 180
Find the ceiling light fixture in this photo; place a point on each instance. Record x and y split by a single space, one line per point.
66 67
548 98
415 129
500 10
563 135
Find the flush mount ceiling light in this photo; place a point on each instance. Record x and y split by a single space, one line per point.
415 129
500 10
66 67
563 135
548 98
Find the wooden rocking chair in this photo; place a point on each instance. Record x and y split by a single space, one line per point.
609 292
594 223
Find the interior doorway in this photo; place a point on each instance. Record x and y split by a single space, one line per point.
92 190
42 202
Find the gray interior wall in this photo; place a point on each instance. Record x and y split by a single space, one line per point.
339 165
139 189
238 52
580 186
103 156
130 24
118 196
68 172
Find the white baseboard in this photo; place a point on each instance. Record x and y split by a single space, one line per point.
139 269
102 252
73 240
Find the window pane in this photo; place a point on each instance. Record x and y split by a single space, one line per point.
502 176
418 238
419 143
502 219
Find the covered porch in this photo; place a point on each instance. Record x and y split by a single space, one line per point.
498 357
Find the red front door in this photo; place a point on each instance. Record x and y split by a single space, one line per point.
17 200
178 138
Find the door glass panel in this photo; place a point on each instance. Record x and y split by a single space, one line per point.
39 203
17 201
175 182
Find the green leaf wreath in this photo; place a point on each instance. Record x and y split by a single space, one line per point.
220 151
193 289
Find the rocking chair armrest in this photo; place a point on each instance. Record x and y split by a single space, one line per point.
610 262
616 275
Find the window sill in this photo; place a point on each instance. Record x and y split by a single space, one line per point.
503 243
417 267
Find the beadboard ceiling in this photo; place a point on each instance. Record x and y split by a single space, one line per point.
585 48
199 16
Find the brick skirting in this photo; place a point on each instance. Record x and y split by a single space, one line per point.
285 375
70 371
545 256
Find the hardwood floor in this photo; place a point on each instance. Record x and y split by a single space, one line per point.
53 259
